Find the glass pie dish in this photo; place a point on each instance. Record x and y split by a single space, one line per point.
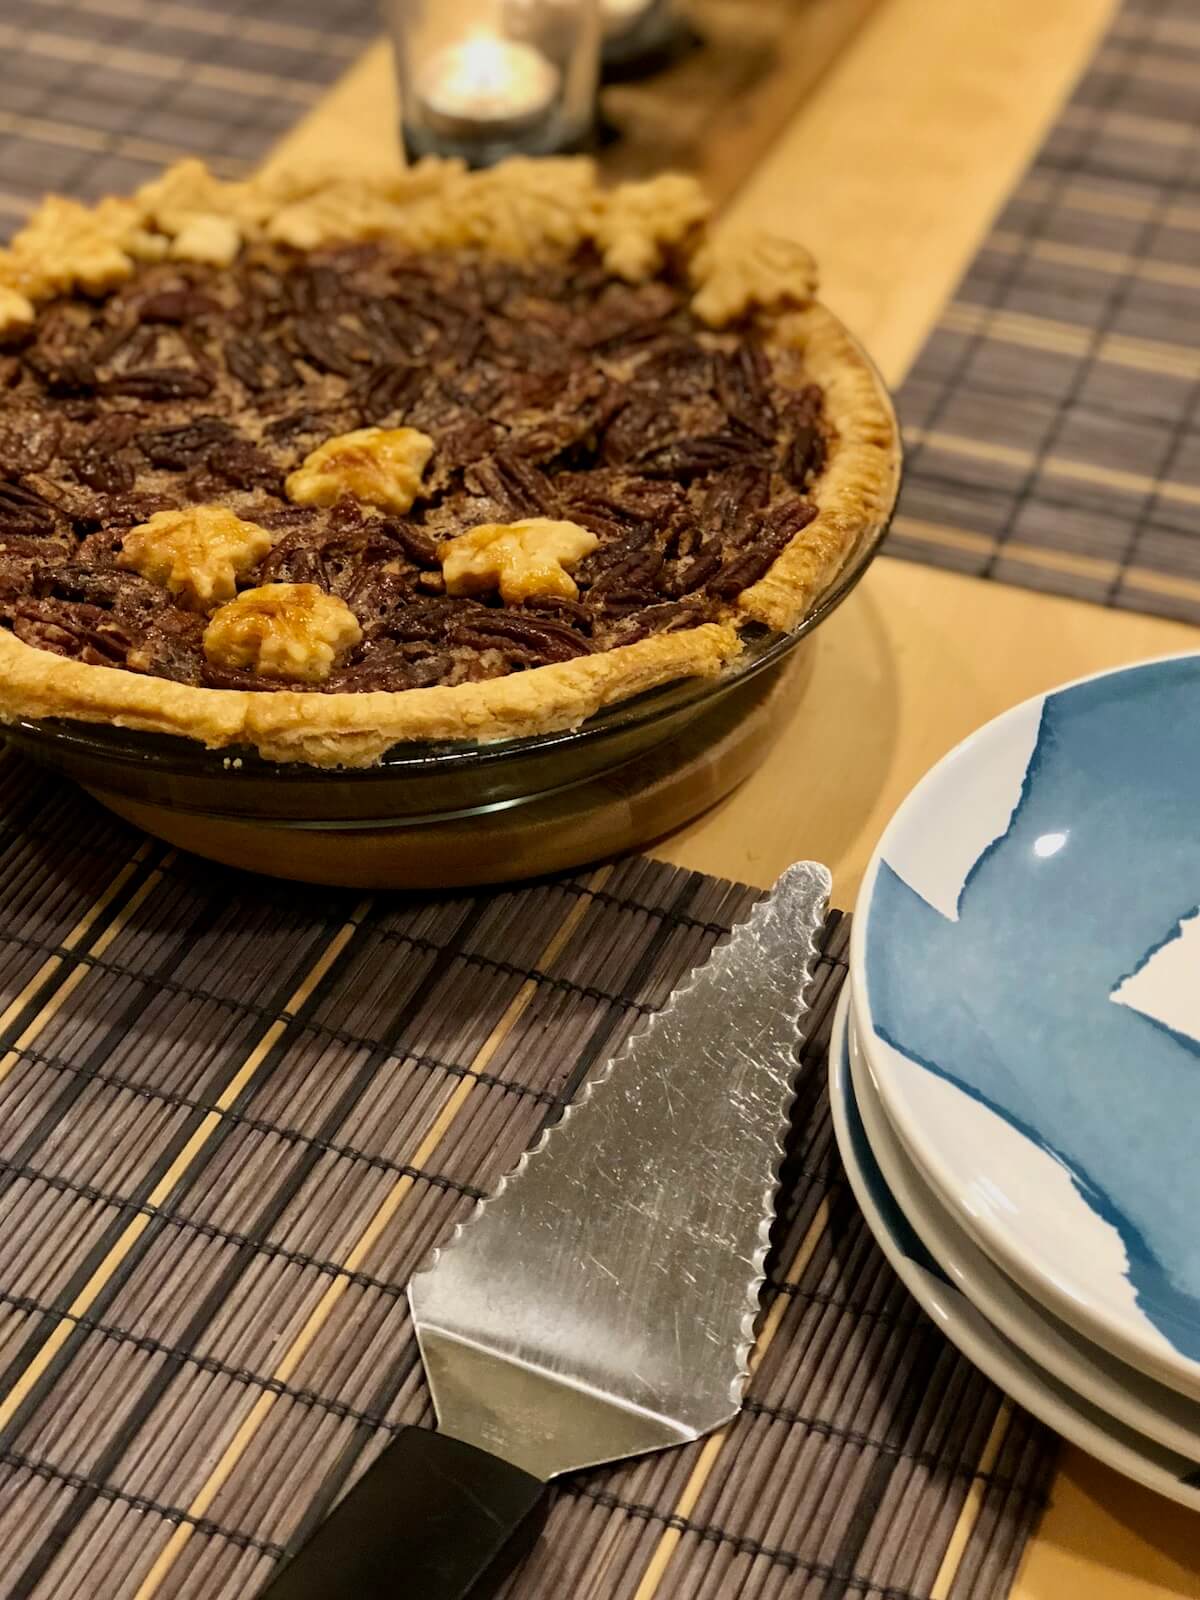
749 434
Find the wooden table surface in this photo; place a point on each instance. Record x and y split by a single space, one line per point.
891 173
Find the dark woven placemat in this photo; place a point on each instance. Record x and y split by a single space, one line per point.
234 1116
100 94
1053 419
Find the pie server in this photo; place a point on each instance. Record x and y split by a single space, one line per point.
602 1304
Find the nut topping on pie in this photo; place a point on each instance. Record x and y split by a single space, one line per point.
483 451
377 466
527 560
197 554
290 631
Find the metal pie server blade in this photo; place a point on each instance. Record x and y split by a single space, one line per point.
602 1303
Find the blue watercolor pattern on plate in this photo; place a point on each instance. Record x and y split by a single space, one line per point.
1013 1002
899 1228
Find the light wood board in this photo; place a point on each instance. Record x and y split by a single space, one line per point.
715 109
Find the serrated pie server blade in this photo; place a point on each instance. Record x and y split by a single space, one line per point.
601 1304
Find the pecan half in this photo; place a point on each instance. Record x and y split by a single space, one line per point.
326 349
514 486
186 443
694 458
100 463
533 641
160 383
24 511
775 532
176 306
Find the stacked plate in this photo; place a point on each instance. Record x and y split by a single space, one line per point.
1015 1072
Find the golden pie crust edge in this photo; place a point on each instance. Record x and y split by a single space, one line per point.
521 209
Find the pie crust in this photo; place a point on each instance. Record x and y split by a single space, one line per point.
522 210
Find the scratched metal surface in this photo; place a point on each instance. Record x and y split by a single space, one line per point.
625 1253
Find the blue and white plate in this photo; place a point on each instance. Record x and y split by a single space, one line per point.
965 1326
1169 1418
1026 974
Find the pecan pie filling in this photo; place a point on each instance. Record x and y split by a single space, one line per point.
488 466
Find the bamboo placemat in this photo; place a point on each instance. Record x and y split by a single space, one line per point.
235 1114
100 94
1053 419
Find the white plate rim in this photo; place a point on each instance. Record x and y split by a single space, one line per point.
1152 1362
1042 1396
1122 1393
1129 1341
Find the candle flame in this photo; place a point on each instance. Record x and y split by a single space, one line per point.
483 62
487 77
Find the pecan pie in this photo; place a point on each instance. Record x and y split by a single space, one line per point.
317 468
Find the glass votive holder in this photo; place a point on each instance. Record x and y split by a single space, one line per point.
485 79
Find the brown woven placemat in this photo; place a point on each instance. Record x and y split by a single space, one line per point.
99 95
235 1114
1053 419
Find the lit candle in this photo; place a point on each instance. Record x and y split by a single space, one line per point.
487 86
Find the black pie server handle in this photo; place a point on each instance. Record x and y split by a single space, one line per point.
432 1519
